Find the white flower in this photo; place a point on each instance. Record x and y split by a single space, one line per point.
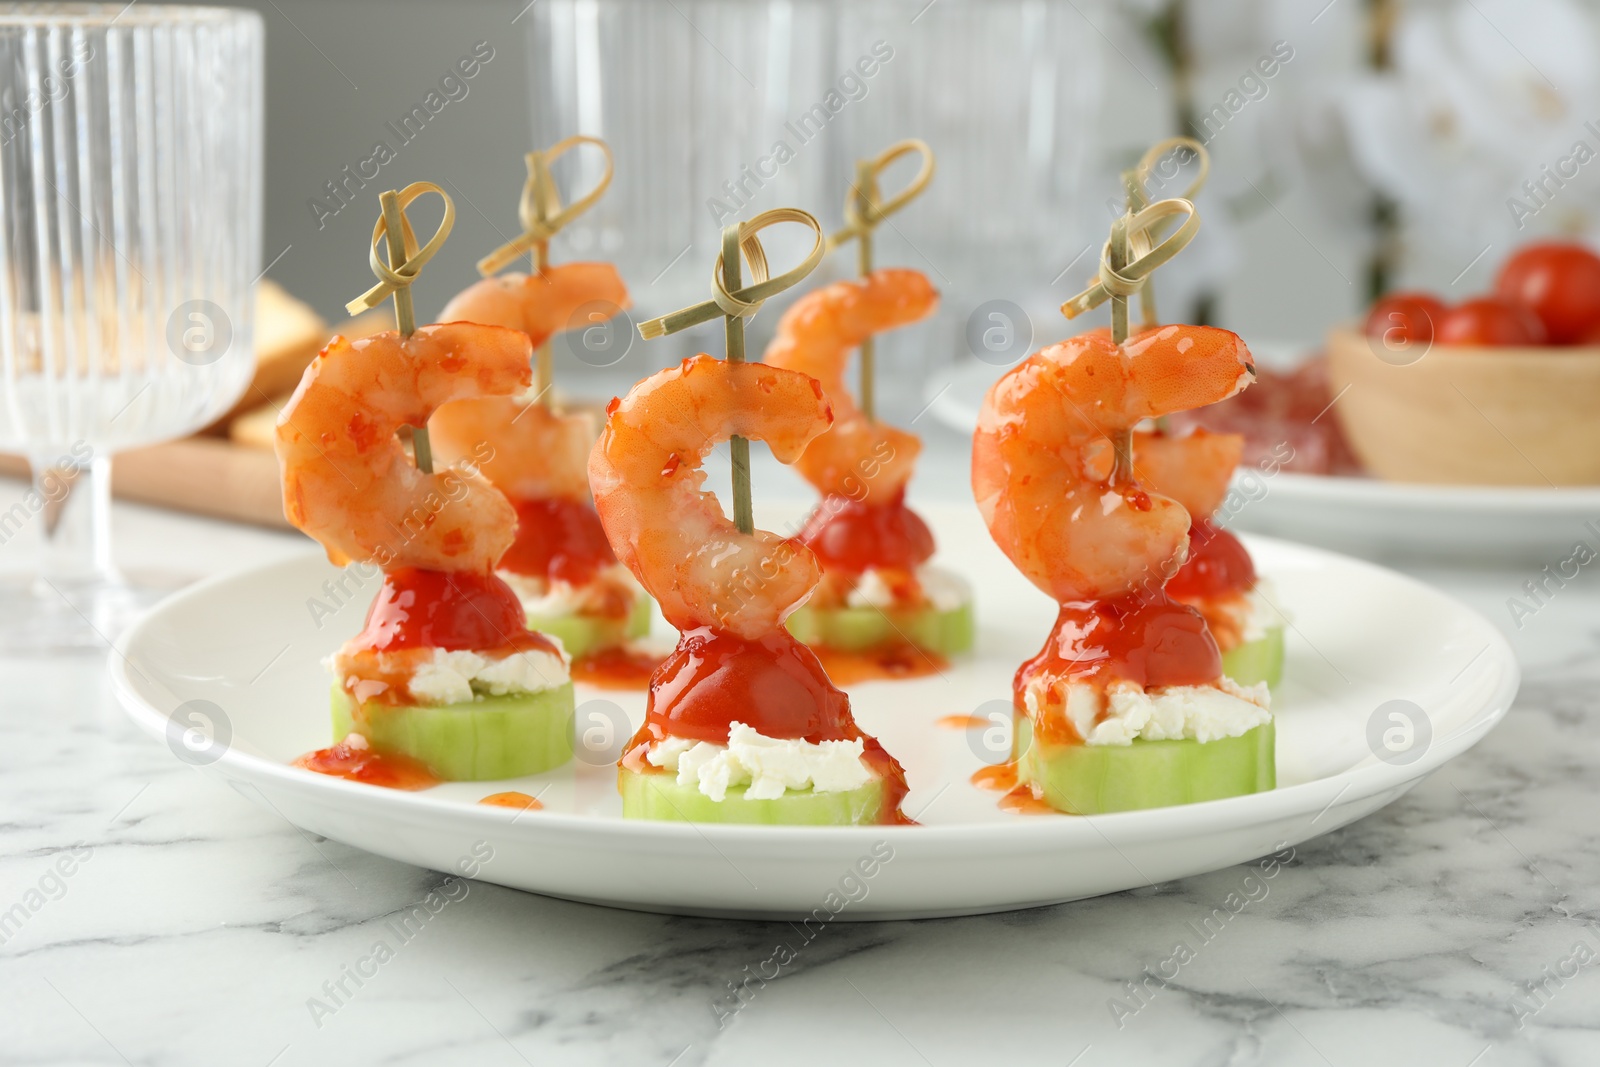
1483 95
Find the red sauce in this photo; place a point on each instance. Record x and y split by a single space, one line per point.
1218 565
512 799
452 610
1022 801
896 661
1151 641
373 768
963 722
616 668
1019 797
558 539
999 777
851 536
775 685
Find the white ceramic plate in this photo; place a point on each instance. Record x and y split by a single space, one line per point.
249 646
1364 516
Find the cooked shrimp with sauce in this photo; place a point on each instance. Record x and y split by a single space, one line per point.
444 681
879 600
1218 578
1127 705
536 453
742 723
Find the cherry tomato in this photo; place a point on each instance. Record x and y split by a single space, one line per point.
1490 320
1560 283
1402 317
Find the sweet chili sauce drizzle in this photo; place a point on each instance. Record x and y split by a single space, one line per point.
358 763
773 684
999 777
618 667
897 661
512 799
1020 800
560 540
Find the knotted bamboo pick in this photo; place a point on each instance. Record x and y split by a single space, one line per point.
405 262
736 302
864 208
1127 260
542 216
1135 182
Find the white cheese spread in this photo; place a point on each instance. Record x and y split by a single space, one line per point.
1123 711
768 765
944 590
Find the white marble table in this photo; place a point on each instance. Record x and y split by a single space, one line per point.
196 928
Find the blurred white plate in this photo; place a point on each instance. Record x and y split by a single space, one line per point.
1364 516
1362 637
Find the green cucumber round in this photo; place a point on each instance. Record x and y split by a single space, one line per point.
939 632
582 634
1096 779
1255 661
657 795
489 738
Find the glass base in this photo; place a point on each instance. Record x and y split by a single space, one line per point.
54 618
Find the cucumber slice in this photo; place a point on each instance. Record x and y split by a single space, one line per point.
492 737
1255 661
582 634
941 633
658 795
1095 779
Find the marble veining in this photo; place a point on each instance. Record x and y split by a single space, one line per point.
1458 926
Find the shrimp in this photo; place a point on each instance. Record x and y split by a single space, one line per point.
647 477
346 479
1194 469
859 458
540 305
535 452
1041 458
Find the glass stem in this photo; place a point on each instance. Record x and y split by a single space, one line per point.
74 516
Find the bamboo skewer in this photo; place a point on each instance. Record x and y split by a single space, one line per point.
1127 260
864 208
735 302
1135 182
405 261
738 447
866 193
542 216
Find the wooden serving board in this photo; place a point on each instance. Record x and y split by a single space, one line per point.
205 475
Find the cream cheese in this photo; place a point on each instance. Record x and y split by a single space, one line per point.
442 677
944 590
768 766
1123 712
458 677
545 599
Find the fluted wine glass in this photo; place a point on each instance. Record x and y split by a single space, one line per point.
130 243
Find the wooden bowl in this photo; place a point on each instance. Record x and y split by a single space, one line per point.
1450 414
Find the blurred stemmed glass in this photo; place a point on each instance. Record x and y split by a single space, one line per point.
130 243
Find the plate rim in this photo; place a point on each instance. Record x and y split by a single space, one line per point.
1488 709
